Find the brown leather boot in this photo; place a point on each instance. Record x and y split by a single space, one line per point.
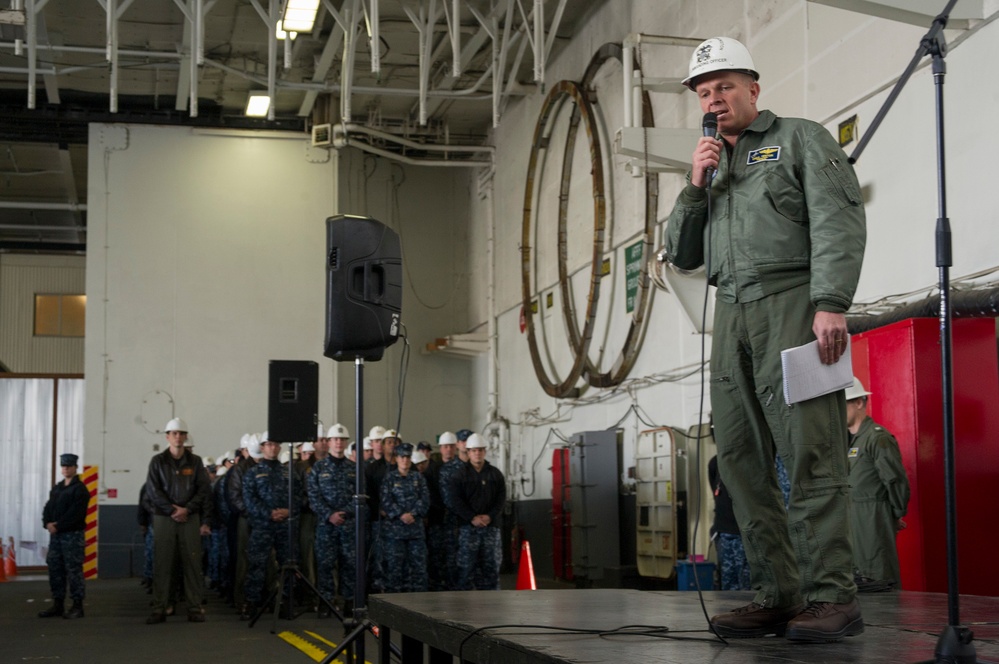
823 622
753 620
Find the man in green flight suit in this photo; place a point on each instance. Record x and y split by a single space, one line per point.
879 491
784 245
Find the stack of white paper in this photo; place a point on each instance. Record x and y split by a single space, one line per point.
805 377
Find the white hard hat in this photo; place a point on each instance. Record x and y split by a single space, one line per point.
338 431
264 437
209 461
390 433
719 54
308 447
319 430
176 424
856 390
474 442
419 457
253 447
244 441
376 433
367 443
284 456
447 438
220 471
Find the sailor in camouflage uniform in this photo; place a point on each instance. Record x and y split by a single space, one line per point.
441 526
404 502
331 484
65 516
265 492
476 495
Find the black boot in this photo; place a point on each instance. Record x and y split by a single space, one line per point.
76 611
55 610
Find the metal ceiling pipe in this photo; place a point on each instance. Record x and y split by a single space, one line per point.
94 49
361 145
30 227
352 128
40 205
32 19
983 303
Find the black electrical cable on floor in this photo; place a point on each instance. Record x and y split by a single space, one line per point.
650 631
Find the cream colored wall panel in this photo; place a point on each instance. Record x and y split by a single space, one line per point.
21 278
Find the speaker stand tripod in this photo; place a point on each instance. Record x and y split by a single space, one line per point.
290 572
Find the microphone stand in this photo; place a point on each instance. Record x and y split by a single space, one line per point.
954 645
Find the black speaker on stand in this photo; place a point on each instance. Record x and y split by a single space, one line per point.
292 416
363 288
363 307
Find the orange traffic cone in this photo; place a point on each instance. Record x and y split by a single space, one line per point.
525 573
10 561
3 553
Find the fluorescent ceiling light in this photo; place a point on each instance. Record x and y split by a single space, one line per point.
300 15
258 104
282 35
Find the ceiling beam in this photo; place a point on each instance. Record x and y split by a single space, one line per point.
914 12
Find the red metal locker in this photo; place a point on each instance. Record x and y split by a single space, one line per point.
561 515
900 364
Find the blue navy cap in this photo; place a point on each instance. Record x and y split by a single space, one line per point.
68 459
404 449
463 434
424 445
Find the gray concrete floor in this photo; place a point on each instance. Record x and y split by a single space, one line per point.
114 630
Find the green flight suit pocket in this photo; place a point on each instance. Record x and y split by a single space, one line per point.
787 198
841 187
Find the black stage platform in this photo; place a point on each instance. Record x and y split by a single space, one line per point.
901 627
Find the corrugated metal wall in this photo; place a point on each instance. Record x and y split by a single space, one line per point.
21 278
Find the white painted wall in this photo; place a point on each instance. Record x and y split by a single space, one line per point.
429 208
205 261
823 63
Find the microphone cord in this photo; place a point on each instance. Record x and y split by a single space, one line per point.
700 410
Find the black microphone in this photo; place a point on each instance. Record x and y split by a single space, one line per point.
709 126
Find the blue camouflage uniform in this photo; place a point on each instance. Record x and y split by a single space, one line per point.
331 484
265 488
67 508
218 559
444 538
439 543
405 544
375 471
480 554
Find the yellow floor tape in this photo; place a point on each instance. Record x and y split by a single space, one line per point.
315 652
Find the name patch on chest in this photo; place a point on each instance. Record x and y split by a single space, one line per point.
852 454
187 471
769 153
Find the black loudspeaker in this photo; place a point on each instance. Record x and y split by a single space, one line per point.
363 288
293 401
